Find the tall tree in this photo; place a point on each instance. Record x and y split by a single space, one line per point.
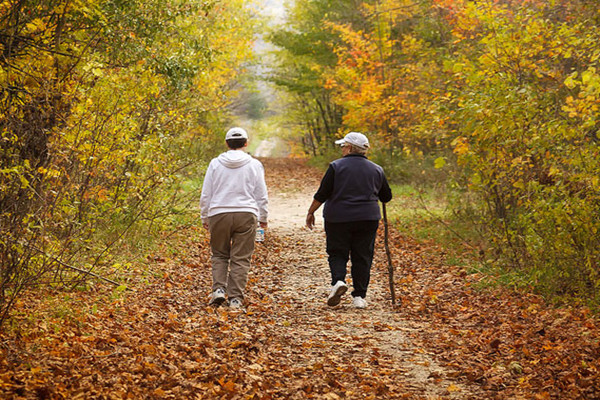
306 53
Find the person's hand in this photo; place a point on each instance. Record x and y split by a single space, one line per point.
263 224
205 225
310 221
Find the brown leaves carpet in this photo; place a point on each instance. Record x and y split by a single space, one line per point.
444 340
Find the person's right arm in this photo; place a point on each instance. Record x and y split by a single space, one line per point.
262 198
310 217
325 190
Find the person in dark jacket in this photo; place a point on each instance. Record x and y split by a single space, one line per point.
351 189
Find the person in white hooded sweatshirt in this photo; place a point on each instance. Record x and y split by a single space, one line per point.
233 202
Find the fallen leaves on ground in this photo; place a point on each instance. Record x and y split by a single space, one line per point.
511 344
161 340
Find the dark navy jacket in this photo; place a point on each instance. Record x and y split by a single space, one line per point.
351 189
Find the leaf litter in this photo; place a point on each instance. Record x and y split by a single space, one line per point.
445 339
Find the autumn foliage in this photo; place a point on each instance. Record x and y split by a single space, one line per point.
503 95
105 107
109 110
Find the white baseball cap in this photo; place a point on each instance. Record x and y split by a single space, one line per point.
236 133
355 138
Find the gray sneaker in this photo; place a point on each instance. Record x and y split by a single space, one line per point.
217 297
337 291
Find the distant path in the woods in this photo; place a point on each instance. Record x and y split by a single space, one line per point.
377 335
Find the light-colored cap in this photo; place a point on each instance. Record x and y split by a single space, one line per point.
355 138
236 133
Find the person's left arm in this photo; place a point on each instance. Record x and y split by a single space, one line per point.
385 193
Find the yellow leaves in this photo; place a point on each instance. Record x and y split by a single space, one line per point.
36 26
389 10
439 162
587 103
412 45
570 82
35 370
461 146
454 66
453 389
589 77
4 7
519 184
554 171
433 299
17 173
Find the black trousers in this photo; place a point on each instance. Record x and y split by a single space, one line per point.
354 241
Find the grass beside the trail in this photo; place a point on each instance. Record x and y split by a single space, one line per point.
426 215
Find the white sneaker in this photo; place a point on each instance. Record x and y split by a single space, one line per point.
337 291
359 302
235 304
217 297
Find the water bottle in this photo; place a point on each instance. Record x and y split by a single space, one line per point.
260 234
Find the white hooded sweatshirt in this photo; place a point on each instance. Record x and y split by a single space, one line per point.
234 182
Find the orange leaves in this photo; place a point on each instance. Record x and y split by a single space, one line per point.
228 386
383 77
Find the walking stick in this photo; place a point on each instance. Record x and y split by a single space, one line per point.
389 255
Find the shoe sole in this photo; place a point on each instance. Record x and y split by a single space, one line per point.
217 302
337 296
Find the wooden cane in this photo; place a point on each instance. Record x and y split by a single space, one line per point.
389 255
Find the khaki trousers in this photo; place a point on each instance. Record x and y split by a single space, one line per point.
232 238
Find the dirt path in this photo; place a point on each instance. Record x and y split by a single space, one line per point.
342 334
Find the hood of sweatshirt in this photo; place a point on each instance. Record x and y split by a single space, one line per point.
234 158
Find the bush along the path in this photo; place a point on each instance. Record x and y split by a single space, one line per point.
511 344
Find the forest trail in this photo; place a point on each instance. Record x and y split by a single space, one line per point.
371 340
160 340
